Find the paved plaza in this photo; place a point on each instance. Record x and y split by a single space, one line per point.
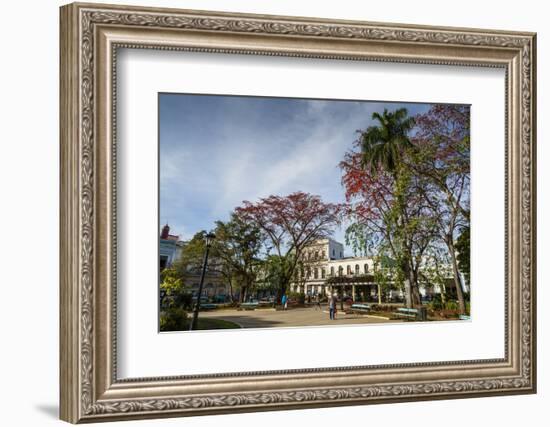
271 318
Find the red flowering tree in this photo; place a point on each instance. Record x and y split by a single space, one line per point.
407 184
289 224
388 216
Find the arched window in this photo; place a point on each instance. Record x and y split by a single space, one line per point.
323 254
323 273
332 271
316 254
366 268
340 271
308 272
315 273
357 269
348 270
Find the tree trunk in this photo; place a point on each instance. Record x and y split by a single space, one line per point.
242 295
416 299
456 277
443 293
231 295
408 284
408 290
412 294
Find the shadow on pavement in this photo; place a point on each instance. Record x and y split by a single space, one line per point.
248 322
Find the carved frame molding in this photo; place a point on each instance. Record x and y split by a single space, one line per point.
90 37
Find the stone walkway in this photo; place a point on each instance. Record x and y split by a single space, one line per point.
266 318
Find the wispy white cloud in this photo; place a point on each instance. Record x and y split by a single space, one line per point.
218 151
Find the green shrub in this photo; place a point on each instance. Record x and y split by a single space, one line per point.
181 299
451 305
297 296
185 299
436 303
173 319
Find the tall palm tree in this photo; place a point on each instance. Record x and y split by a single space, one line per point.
383 144
382 148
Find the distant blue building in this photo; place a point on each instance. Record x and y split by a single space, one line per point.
169 248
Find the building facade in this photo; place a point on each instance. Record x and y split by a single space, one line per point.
170 248
323 263
326 270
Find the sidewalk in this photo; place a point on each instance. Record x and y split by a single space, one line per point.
264 318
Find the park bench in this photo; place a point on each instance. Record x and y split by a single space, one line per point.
411 313
249 305
360 308
208 306
265 303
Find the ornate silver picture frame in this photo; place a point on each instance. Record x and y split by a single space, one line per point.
91 36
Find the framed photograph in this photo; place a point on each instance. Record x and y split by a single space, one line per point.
268 213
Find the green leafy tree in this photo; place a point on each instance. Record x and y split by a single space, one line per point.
386 275
435 271
192 255
237 249
275 270
189 265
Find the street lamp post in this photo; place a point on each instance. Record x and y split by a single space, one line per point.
209 238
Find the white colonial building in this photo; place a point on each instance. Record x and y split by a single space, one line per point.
324 262
325 269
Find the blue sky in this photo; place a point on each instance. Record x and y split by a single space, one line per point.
216 151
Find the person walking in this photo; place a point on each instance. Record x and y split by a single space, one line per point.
284 301
317 302
332 306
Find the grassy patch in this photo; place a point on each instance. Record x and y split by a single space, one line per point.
385 314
